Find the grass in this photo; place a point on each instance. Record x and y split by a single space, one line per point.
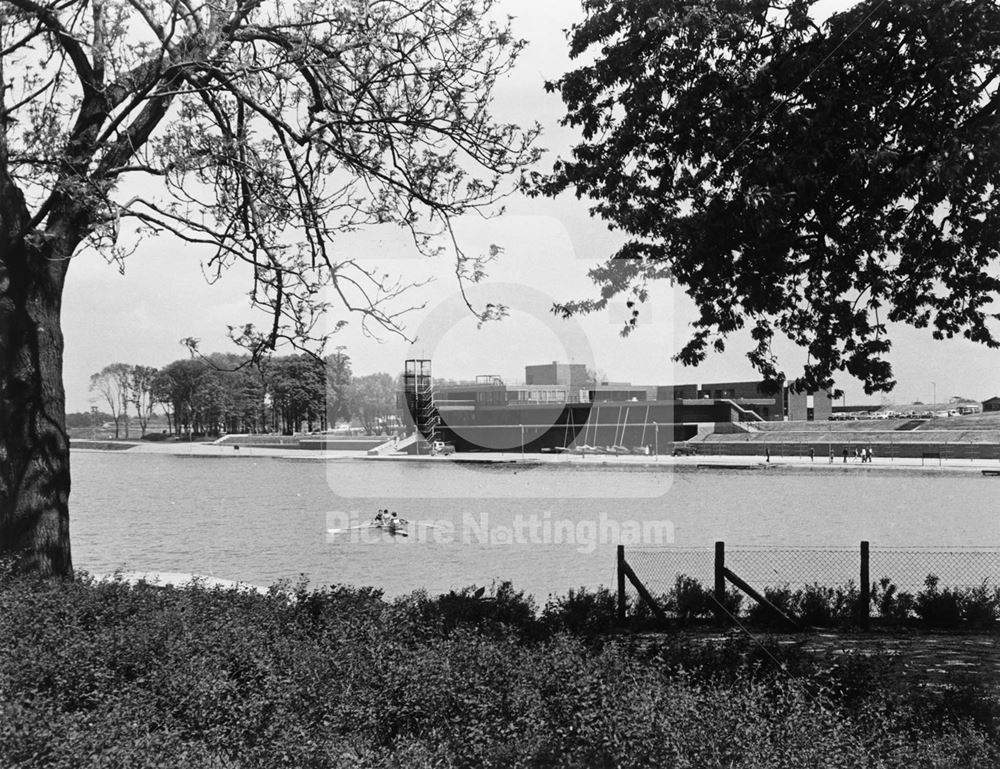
107 674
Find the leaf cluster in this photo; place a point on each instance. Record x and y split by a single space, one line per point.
817 183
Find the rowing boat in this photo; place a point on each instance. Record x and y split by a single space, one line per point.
396 528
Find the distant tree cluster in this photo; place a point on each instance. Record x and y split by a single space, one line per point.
230 393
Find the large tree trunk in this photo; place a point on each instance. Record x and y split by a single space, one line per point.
34 447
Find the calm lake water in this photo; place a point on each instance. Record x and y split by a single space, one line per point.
546 528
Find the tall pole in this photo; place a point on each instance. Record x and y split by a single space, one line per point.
866 586
720 580
522 442
621 585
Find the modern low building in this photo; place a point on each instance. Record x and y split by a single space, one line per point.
572 375
554 409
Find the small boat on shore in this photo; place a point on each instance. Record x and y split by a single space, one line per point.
991 473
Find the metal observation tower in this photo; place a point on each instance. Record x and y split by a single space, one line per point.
419 393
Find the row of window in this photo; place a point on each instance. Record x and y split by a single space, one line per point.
537 396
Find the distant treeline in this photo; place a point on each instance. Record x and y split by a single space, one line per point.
226 393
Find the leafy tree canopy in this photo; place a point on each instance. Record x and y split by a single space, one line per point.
811 181
257 129
373 399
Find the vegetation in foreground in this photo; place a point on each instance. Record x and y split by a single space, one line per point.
933 607
106 674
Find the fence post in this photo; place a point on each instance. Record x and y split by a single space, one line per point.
621 584
866 586
720 579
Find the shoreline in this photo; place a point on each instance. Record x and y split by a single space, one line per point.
780 465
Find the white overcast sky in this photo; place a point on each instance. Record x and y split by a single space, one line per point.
548 248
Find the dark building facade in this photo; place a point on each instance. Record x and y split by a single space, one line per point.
554 373
800 410
557 409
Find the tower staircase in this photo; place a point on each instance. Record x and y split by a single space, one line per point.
419 394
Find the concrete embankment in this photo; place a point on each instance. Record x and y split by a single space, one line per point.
882 448
697 463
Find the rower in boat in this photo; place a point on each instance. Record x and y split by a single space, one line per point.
396 525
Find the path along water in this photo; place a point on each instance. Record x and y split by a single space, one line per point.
546 527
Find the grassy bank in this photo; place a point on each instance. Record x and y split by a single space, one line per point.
113 675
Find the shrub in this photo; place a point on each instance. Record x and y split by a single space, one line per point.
892 604
815 605
782 598
819 606
980 605
334 602
937 607
689 600
471 606
732 601
108 674
641 616
581 612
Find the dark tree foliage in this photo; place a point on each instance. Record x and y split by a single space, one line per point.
816 182
225 393
338 383
372 400
297 384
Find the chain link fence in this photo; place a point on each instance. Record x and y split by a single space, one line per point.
908 568
832 567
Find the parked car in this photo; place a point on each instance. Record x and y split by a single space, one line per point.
684 450
442 448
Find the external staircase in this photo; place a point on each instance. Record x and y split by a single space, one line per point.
418 390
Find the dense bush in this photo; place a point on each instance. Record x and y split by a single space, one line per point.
581 612
892 604
981 605
933 607
502 607
812 606
780 597
107 674
938 607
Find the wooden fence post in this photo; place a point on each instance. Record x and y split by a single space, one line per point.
746 588
720 580
621 585
866 586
